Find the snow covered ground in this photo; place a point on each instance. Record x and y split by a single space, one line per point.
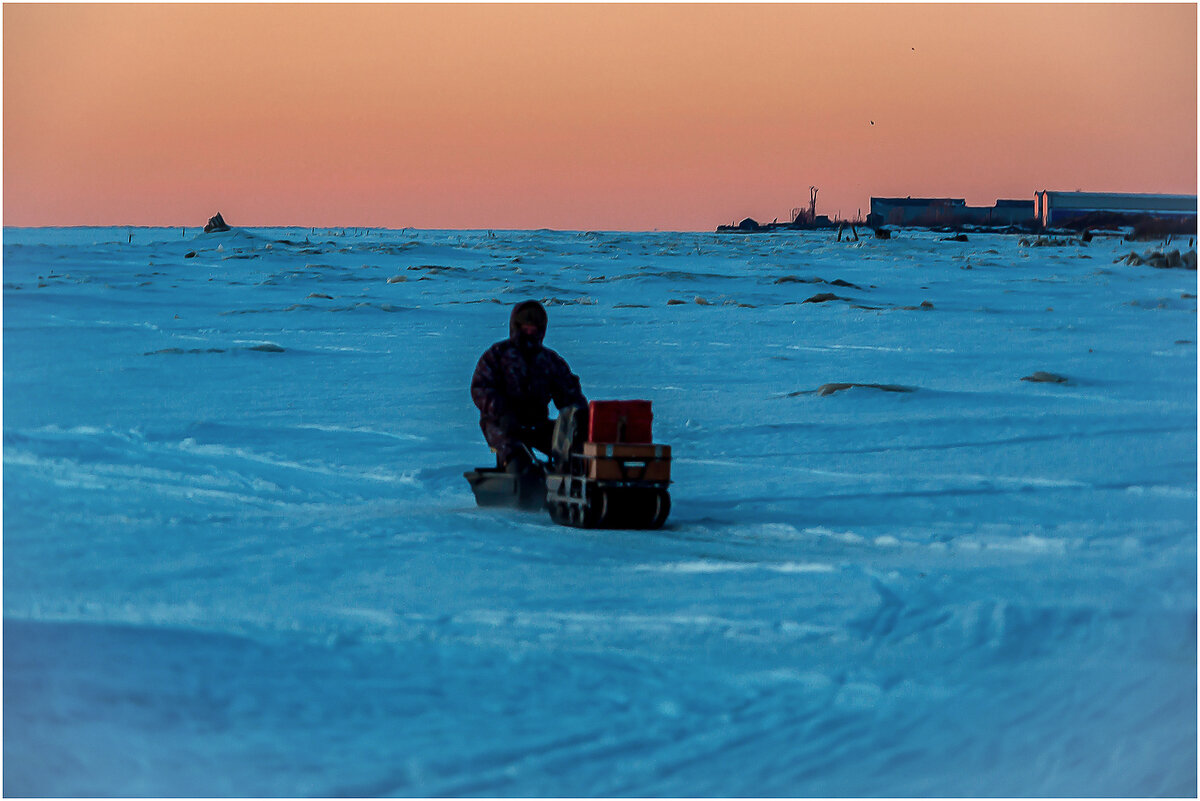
240 556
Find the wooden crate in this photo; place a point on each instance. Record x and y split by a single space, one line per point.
624 462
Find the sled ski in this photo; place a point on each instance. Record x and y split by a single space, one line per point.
495 487
604 471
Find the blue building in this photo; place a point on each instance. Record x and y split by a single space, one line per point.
941 211
1058 208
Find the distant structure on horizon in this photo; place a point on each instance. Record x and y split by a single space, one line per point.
945 211
1048 209
1053 209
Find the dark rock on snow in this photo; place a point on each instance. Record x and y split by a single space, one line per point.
829 389
795 279
1170 260
822 297
1042 377
216 223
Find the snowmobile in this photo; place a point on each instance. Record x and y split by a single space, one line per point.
605 474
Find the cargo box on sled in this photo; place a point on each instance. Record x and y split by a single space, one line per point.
605 471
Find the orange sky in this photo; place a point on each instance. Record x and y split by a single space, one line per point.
581 116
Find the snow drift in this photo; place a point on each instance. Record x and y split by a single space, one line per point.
240 558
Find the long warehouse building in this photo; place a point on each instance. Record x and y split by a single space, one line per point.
1057 208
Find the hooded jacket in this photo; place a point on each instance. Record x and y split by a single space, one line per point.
516 378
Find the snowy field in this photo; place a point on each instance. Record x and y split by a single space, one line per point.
240 557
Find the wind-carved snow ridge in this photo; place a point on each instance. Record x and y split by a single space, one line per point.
236 531
701 566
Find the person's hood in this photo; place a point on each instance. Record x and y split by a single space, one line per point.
525 312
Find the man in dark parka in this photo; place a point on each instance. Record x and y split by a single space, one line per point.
514 382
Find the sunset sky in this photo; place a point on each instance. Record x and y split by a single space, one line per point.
616 117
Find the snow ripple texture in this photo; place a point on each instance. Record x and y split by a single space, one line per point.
240 558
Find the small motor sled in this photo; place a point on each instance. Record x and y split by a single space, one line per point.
604 471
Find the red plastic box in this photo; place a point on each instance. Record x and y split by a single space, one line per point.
620 421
